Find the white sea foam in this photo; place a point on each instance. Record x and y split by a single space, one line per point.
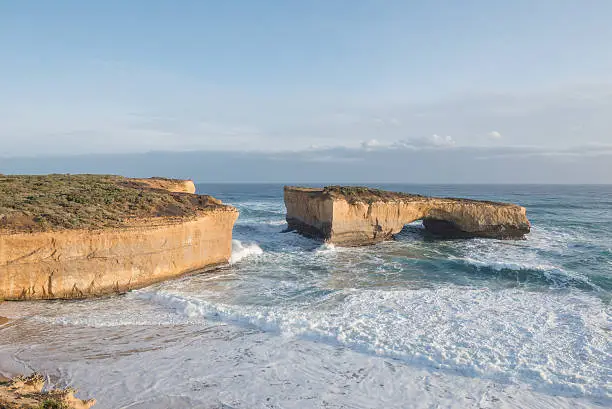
510 335
505 265
231 366
241 251
326 248
275 222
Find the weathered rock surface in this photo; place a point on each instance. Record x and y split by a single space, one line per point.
353 216
25 392
183 233
171 185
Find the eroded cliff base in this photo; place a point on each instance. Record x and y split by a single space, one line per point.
450 230
354 216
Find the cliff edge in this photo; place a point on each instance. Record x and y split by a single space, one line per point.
74 236
171 185
353 216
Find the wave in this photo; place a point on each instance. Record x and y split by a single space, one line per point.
264 229
241 251
554 275
504 335
505 265
326 248
275 222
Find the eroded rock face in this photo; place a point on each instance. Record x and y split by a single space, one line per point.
359 216
84 263
77 263
171 185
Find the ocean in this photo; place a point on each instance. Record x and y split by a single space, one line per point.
416 322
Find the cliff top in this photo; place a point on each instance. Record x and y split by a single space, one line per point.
356 194
30 203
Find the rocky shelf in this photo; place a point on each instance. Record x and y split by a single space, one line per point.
74 236
353 216
26 392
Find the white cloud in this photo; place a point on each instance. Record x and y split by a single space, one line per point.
433 141
372 143
437 140
132 116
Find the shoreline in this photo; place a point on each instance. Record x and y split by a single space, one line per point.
224 345
412 322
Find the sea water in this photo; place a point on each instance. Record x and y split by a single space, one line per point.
295 323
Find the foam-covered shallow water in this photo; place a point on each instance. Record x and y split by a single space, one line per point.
292 322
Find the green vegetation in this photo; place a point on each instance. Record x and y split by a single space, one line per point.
52 404
55 202
354 194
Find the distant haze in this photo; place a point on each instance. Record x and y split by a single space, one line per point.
402 165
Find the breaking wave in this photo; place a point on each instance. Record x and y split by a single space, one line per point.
553 275
241 251
507 335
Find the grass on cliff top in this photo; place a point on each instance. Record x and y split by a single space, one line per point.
52 404
54 202
355 194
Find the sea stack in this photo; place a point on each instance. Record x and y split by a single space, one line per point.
355 216
75 236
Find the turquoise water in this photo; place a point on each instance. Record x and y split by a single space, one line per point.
570 245
548 295
418 314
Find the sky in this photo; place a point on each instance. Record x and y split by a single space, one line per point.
471 91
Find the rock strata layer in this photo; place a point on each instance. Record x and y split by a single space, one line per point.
354 216
177 234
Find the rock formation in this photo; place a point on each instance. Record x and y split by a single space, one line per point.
73 236
171 185
25 392
353 216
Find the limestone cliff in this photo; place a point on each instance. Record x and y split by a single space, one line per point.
171 185
353 216
148 235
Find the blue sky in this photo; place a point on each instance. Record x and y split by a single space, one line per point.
276 76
